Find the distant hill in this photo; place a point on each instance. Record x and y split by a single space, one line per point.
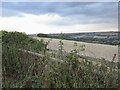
111 38
90 35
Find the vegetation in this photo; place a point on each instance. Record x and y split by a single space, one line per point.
109 41
24 70
60 36
21 40
42 35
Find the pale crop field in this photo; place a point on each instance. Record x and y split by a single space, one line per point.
91 49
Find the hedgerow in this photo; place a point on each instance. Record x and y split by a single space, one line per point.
24 70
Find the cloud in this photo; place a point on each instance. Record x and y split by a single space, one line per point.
77 12
54 17
30 24
62 8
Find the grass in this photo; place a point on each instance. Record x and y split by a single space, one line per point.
23 70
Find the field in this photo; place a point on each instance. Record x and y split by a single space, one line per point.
93 50
33 63
59 45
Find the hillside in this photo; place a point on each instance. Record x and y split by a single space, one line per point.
110 38
28 63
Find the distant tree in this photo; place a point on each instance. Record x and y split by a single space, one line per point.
42 35
61 36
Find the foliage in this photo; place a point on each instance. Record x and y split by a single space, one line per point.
60 49
21 40
23 70
42 35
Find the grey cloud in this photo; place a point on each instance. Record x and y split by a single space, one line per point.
73 12
62 8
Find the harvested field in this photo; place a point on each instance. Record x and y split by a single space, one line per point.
93 50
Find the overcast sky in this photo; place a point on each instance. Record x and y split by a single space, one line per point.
57 17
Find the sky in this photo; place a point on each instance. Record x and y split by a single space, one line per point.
57 17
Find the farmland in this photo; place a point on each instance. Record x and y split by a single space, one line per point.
93 50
